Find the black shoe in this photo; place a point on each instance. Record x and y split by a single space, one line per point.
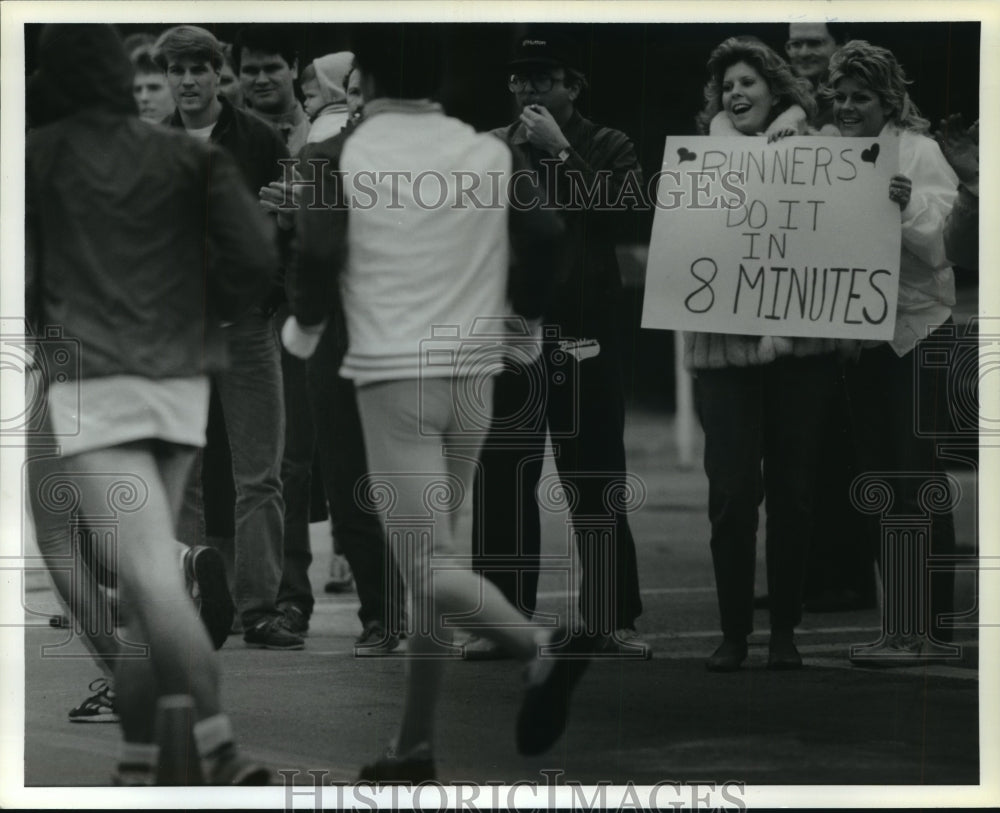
409 769
99 707
782 654
205 578
728 657
550 678
296 619
374 640
270 632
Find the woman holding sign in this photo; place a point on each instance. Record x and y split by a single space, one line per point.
761 399
888 388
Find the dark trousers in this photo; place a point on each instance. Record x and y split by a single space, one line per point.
884 390
296 476
763 428
841 552
581 405
340 445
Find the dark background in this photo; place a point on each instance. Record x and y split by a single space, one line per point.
646 80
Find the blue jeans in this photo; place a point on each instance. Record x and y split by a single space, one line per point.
250 392
763 426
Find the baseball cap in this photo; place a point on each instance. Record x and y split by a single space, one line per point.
545 48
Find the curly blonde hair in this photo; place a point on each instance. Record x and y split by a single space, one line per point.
784 85
878 69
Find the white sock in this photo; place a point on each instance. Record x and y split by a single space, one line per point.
212 733
139 753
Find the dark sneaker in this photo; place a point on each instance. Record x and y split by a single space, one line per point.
205 577
99 707
227 766
296 619
374 640
728 657
270 632
549 679
411 768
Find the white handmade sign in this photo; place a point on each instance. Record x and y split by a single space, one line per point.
794 238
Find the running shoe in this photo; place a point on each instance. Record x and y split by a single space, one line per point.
99 707
205 578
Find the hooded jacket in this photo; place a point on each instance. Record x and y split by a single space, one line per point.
138 238
331 73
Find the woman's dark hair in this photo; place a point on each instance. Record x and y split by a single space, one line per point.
784 85
878 69
81 66
404 59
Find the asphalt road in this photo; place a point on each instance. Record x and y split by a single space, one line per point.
644 722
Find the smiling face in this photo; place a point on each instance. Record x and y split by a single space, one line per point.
746 98
152 96
857 109
267 81
193 84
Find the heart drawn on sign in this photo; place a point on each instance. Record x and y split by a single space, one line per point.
870 155
685 155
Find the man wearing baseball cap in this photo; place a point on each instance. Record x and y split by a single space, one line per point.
588 170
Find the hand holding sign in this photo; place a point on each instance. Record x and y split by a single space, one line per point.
900 189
